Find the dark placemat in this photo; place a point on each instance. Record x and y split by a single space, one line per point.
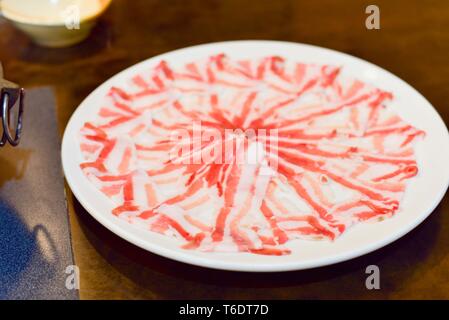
35 245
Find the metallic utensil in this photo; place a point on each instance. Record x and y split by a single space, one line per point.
11 104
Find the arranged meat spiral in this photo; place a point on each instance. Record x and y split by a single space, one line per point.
246 155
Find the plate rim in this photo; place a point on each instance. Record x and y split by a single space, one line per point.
226 265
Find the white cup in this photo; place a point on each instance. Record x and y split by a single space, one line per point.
54 23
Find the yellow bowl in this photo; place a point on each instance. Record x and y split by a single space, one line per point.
54 23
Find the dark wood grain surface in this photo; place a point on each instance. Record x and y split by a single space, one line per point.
413 43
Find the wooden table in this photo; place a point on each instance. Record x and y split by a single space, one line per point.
413 43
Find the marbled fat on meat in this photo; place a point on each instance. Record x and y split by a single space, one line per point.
246 155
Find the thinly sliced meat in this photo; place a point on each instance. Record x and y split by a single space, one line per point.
248 155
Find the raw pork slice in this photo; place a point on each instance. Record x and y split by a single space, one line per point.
247 155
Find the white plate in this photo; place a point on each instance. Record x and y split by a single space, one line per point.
421 197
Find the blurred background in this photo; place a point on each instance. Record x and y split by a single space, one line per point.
413 41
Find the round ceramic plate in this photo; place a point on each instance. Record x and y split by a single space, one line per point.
422 195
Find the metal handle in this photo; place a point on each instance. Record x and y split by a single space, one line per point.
14 141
